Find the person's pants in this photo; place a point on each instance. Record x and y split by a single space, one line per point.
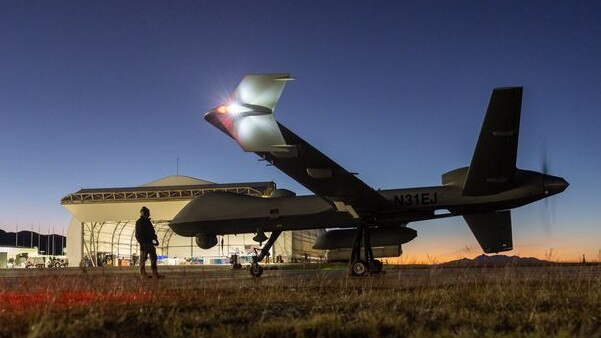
145 251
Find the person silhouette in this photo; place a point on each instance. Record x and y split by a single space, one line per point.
147 238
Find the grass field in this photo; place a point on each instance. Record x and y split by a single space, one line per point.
429 302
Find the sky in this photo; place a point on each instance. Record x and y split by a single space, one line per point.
111 93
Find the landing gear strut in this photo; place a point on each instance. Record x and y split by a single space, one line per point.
361 267
255 269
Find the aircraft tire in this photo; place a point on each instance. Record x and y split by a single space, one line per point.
256 270
359 269
377 266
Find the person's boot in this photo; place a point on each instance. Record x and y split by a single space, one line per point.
155 273
143 273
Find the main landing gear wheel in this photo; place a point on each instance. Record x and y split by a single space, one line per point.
256 270
362 266
376 266
359 269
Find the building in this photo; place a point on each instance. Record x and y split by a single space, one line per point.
102 228
10 256
46 244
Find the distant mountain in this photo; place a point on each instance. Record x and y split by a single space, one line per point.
497 260
49 244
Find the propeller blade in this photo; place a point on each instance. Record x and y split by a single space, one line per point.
545 163
546 216
545 220
545 170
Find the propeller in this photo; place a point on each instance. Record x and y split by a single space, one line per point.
548 214
545 171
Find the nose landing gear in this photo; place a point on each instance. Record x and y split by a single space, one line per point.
256 270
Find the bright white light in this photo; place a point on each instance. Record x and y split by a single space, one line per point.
236 109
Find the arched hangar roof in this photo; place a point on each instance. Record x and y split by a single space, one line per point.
165 197
176 180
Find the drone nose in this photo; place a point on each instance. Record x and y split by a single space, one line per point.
555 185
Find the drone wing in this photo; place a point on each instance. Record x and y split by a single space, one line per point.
248 118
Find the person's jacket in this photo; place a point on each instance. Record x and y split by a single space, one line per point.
145 231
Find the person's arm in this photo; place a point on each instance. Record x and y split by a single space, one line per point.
155 239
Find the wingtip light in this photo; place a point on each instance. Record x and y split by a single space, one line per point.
222 109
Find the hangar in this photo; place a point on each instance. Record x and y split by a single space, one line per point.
101 231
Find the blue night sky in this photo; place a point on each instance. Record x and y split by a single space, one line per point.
110 93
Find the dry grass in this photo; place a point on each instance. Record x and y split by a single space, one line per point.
536 302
